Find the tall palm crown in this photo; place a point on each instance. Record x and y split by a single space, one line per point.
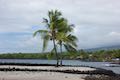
57 30
65 37
52 23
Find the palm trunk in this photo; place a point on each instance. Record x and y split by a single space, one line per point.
57 64
61 53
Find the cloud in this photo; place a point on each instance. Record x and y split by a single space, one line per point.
97 22
115 34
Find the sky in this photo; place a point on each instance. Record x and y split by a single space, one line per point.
97 23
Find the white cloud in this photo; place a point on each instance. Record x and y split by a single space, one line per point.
97 21
116 34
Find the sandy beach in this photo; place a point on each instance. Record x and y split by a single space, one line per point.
40 75
25 75
15 72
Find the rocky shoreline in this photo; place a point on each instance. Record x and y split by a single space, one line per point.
10 71
27 67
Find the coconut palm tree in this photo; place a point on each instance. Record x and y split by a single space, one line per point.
65 38
52 23
67 41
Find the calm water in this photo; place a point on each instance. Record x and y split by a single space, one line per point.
65 62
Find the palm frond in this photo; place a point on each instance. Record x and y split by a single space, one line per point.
69 48
40 32
46 21
72 37
45 36
45 41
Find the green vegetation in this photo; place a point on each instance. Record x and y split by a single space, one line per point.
59 32
65 38
52 24
23 56
100 55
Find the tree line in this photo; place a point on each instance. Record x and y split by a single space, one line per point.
99 55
